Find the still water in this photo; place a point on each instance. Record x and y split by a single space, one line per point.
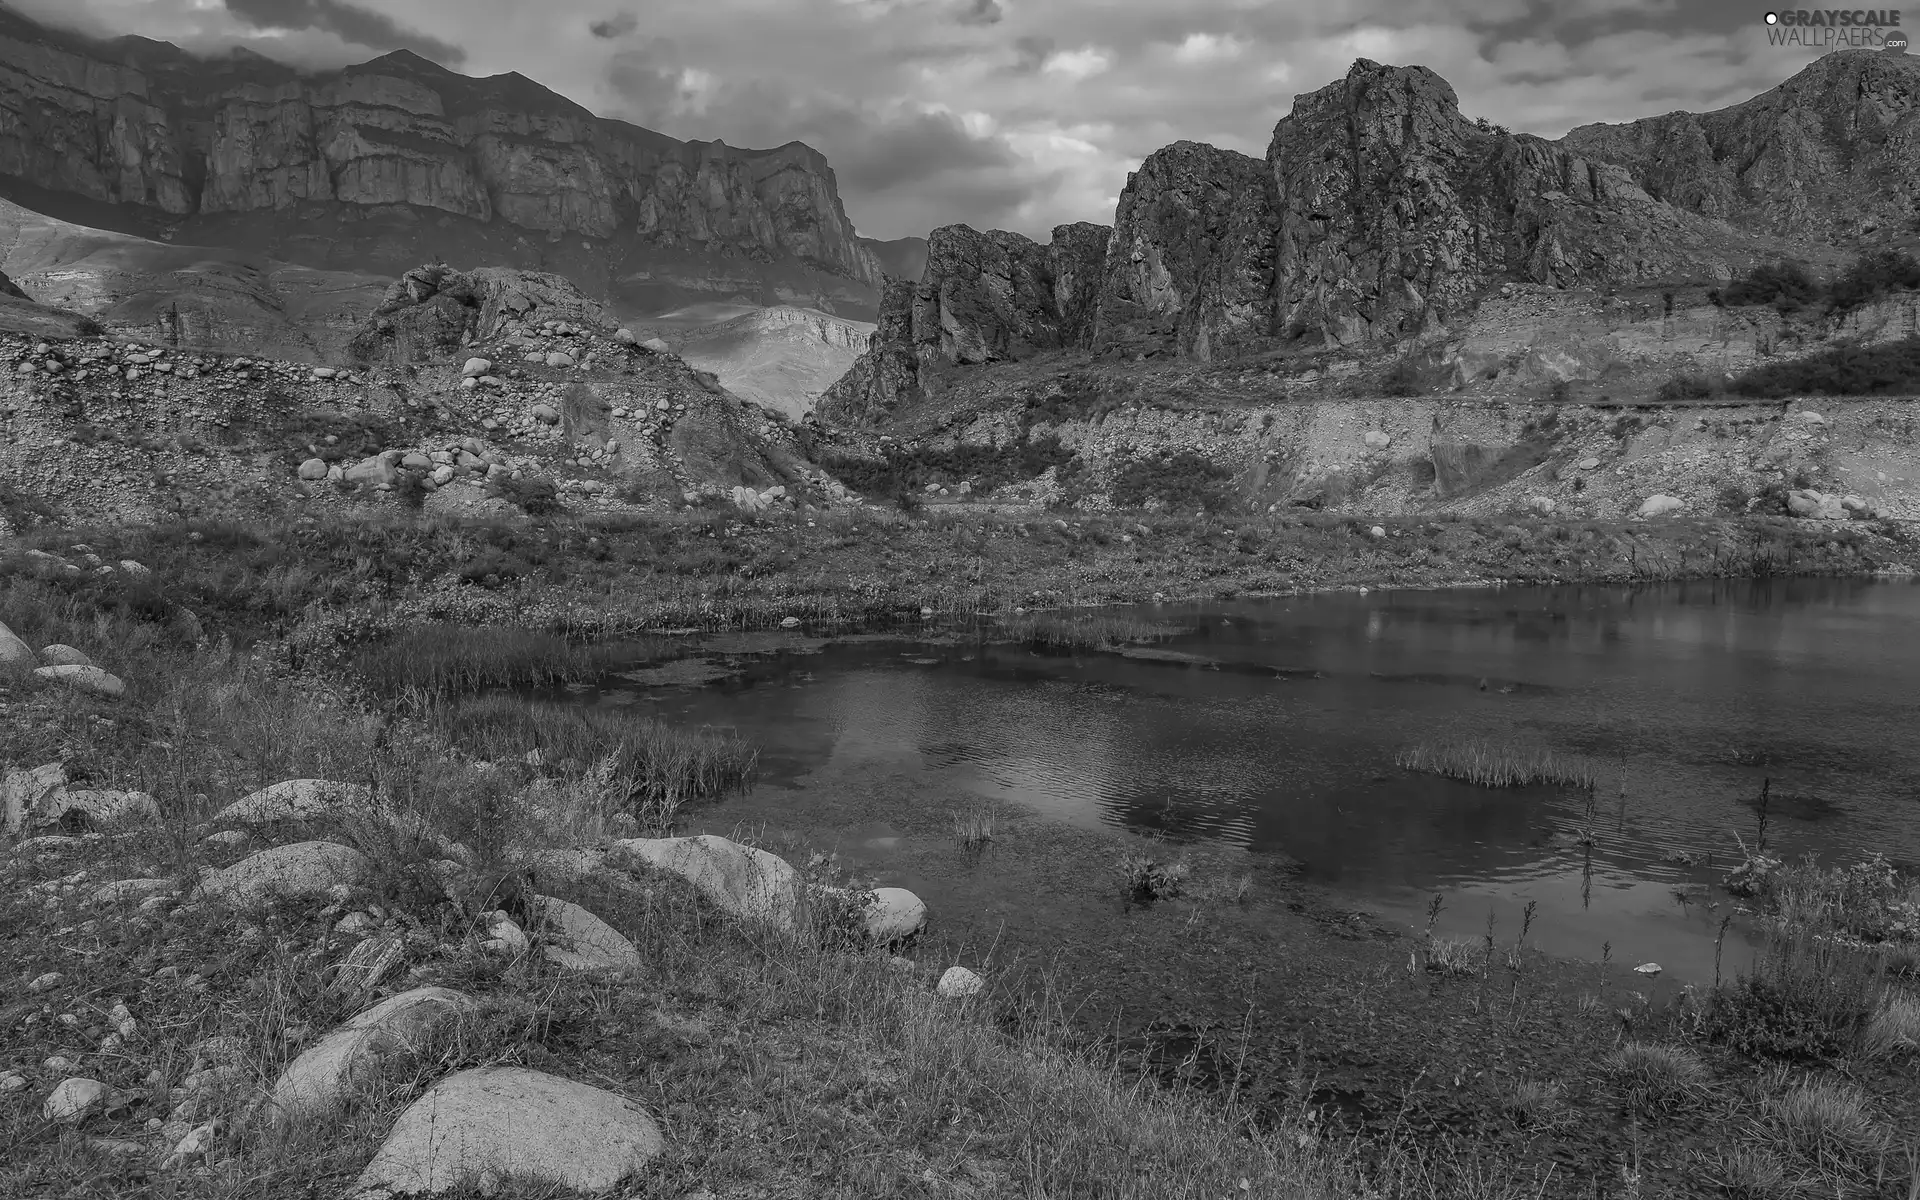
1276 724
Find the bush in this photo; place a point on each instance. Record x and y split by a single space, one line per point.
537 497
1889 369
1872 276
1686 385
1182 482
1784 285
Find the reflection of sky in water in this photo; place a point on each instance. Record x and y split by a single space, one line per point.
1689 694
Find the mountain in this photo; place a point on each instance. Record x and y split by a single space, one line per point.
376 167
1381 216
902 258
779 358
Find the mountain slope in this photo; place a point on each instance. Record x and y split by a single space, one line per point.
388 163
779 358
1382 216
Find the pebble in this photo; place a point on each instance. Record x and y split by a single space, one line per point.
46 983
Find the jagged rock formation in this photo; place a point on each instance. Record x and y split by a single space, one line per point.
984 297
1382 214
1828 154
381 165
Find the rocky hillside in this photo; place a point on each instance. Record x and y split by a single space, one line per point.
495 390
779 358
1382 215
380 166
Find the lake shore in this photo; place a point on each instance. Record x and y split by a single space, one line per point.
246 654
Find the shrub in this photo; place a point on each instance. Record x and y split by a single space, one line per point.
1888 369
1872 276
1686 385
1182 482
535 496
1783 284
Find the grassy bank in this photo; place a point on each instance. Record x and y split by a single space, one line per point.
332 586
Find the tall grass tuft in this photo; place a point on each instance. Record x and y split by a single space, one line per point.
1894 1026
1657 1075
973 829
1083 631
1808 997
603 762
1493 765
1830 1123
444 658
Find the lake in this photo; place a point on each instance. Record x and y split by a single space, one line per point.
1272 726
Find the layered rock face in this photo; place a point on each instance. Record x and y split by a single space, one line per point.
1381 214
383 164
1828 154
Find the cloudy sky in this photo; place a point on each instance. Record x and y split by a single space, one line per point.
1012 114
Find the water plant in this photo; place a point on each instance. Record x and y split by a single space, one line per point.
1491 764
1145 880
1082 631
973 828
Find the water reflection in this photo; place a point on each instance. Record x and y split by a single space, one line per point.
1280 734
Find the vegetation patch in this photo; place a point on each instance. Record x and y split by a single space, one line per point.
1178 482
1491 765
1886 369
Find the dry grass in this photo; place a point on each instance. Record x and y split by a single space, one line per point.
1830 1124
1454 955
973 828
1490 765
1655 1074
1894 1027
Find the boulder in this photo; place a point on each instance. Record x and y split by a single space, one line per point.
85 679
320 1083
546 414
293 800
475 367
557 359
494 1125
416 461
1588 464
744 880
1819 506
23 793
58 655
15 655
894 914
97 809
303 870
1377 439
313 470
580 941
958 982
1659 506
657 346
624 336
127 891
371 472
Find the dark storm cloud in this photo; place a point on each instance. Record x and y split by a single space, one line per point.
981 12
615 27
349 22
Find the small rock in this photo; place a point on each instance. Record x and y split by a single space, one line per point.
557 359
624 336
1660 506
354 923
313 470
58 655
1378 531
294 800
589 942
789 622
546 414
475 367
319 1083
10 1083
1377 439
303 870
1588 464
504 935
73 1100
958 982
228 838
46 982
1648 968
894 914
196 1143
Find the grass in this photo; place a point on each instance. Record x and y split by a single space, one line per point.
1829 1123
973 828
1894 1027
1657 1075
440 657
1491 765
1081 631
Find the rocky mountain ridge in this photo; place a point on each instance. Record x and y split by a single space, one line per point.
382 165
1382 216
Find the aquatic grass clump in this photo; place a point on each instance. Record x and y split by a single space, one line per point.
443 658
604 759
1491 764
1145 880
1454 955
973 829
1084 631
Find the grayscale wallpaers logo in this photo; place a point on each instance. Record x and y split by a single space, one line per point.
1838 29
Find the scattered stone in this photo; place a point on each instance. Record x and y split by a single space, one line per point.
294 800
46 982
504 935
229 838
313 470
85 679
1378 531
319 1083
196 1143
1651 968
789 622
74 1100
1818 506
492 1122
121 891
546 414
1377 439
958 982
476 367
368 963
10 1083
354 924
303 870
1544 505
557 359
657 345
98 809
136 569
58 655
584 942
624 336
744 880
23 792
1660 506
1588 464
894 914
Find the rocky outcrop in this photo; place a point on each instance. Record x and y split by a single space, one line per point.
1395 212
1828 155
983 298
378 165
1190 266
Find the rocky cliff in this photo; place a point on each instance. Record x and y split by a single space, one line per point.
1828 155
381 165
1382 216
